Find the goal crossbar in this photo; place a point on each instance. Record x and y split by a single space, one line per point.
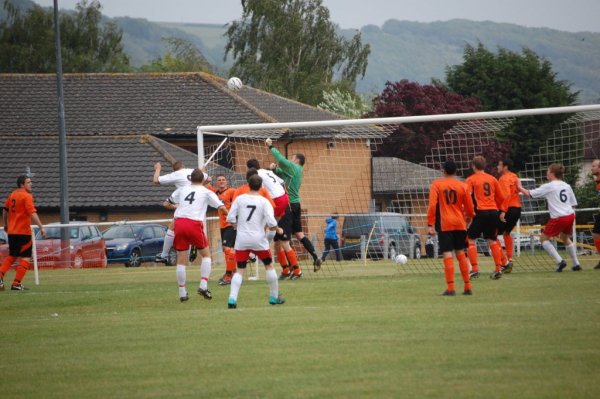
402 119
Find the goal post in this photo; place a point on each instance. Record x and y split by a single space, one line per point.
342 177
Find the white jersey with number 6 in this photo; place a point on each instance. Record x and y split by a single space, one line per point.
272 182
192 202
559 195
251 213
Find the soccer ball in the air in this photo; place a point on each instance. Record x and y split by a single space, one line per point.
401 259
234 83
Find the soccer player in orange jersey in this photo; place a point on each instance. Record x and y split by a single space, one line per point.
228 233
509 182
18 213
487 198
596 230
449 205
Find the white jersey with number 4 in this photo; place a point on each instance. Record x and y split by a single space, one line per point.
192 202
559 195
272 183
251 213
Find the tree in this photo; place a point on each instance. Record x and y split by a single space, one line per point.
181 56
507 81
343 103
415 140
289 47
27 41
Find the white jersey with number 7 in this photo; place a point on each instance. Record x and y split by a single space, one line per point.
192 202
559 195
252 213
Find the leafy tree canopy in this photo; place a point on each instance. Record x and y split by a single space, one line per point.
181 56
27 41
508 80
415 140
289 47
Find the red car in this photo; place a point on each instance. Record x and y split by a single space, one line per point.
88 248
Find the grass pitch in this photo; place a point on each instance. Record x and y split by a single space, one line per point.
123 333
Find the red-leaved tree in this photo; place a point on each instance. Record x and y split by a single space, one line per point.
415 140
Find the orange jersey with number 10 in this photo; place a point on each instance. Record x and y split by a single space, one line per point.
449 204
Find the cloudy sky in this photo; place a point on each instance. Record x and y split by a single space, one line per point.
572 15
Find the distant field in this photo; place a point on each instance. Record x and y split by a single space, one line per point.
123 333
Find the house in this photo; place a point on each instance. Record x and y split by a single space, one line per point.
119 125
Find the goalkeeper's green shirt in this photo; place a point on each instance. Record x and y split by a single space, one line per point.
291 173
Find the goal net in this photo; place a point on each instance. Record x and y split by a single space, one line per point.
381 202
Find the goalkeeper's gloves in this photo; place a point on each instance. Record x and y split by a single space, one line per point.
269 142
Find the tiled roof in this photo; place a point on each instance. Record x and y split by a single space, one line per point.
139 103
395 175
103 171
117 104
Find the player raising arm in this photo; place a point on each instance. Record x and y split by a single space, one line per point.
190 204
449 204
251 213
561 200
291 173
283 214
180 177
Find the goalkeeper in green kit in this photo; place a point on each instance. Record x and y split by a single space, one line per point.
291 173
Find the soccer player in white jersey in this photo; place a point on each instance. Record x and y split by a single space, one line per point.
561 200
180 177
251 214
283 213
190 204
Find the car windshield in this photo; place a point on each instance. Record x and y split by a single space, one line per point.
54 233
119 232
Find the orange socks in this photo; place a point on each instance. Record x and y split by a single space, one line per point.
597 243
8 261
230 263
496 251
464 269
291 256
503 259
21 270
472 253
449 271
508 242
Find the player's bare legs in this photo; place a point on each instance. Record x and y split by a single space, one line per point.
167 244
205 268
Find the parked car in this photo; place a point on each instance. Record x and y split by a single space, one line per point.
385 228
87 247
133 244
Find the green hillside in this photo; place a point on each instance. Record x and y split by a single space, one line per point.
422 51
399 49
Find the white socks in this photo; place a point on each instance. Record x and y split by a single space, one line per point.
271 276
572 251
168 243
552 251
181 280
236 283
205 268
